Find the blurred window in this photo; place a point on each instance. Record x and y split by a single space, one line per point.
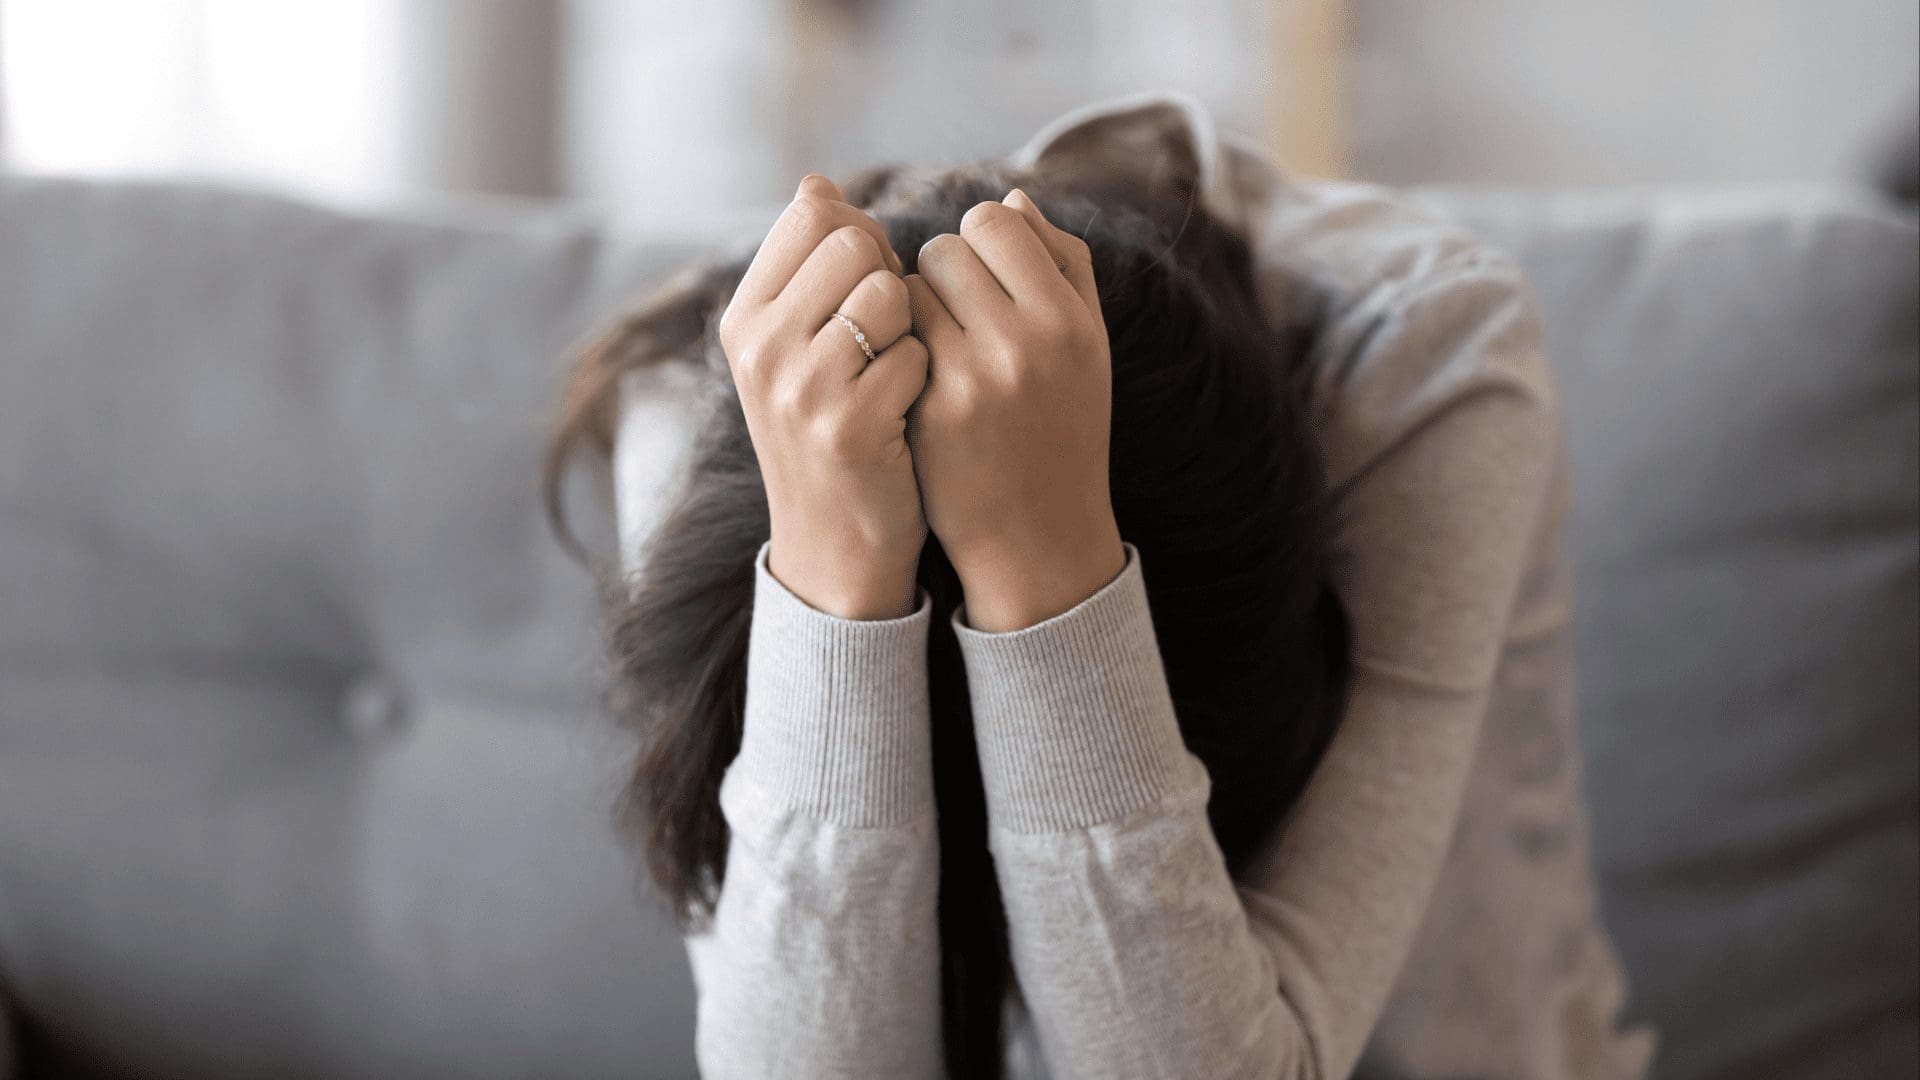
293 92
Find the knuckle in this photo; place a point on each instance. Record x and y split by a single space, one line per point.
831 434
1074 341
811 212
1049 326
972 404
855 242
986 215
1005 342
728 327
940 248
748 358
889 289
959 399
1023 377
787 398
1011 359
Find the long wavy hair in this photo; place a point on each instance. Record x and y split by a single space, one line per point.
1215 478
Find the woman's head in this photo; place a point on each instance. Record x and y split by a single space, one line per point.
1214 478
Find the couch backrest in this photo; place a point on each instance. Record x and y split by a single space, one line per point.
252 441
298 767
278 433
1740 372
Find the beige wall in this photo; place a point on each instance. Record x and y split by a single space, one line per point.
740 103
636 106
1628 91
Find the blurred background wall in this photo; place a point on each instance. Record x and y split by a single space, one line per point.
670 112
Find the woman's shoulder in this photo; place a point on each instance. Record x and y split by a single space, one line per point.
1409 316
1436 409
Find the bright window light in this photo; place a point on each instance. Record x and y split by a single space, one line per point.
297 93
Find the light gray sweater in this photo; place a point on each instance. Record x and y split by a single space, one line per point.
1426 909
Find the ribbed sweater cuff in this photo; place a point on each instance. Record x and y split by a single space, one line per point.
836 723
1072 716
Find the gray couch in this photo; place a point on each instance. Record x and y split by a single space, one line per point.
300 771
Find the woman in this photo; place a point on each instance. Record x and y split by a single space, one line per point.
985 676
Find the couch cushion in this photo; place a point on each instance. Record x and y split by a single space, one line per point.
1739 369
297 767
299 773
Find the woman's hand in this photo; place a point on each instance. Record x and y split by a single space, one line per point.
1010 435
828 426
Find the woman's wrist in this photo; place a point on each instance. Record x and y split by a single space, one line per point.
1072 717
846 583
1017 585
836 711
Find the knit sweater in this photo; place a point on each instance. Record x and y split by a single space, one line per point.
1425 909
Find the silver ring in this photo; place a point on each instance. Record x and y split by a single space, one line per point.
858 337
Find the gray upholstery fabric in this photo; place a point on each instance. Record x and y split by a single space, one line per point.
1740 375
299 770
1894 164
299 773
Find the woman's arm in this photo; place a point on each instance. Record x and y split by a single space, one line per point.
822 957
1136 953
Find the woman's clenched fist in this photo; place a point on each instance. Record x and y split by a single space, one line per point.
828 425
1011 433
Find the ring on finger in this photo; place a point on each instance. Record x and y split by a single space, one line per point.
859 336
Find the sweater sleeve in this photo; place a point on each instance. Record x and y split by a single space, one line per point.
1137 954
822 956
1133 952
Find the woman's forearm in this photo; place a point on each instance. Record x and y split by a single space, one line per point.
822 958
1133 951
1136 953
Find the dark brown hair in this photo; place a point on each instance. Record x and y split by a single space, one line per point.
1214 477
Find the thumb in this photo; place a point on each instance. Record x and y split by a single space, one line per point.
1070 253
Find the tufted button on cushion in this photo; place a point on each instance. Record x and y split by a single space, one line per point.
373 706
